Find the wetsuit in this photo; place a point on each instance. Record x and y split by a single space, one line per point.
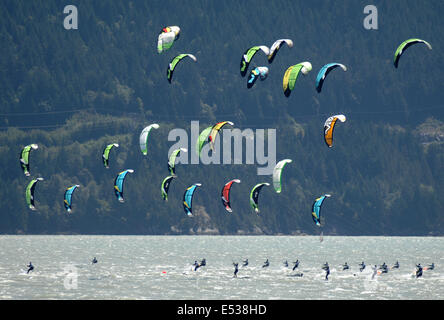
236 269
30 267
396 266
361 266
296 264
345 266
327 270
203 263
266 264
196 265
418 271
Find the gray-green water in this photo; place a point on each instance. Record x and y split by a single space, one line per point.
159 267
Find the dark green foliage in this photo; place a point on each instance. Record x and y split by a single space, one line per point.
74 92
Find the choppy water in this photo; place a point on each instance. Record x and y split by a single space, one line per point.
159 267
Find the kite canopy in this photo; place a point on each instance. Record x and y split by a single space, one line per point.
166 38
277 173
166 186
105 154
24 158
257 73
316 209
174 63
248 56
172 160
325 70
215 130
202 139
29 193
67 202
329 127
143 138
291 75
276 46
254 195
188 198
118 184
225 194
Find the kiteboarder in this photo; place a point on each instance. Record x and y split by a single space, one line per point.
94 260
345 267
30 267
396 265
383 268
296 264
327 270
418 270
197 265
236 269
361 266
266 264
245 263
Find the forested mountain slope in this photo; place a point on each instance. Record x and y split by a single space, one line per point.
74 91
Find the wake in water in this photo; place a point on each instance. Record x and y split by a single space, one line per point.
142 268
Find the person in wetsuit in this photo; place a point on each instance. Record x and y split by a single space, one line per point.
431 266
245 263
396 265
296 264
266 264
236 269
327 270
286 263
418 270
94 260
345 267
361 266
197 265
383 268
